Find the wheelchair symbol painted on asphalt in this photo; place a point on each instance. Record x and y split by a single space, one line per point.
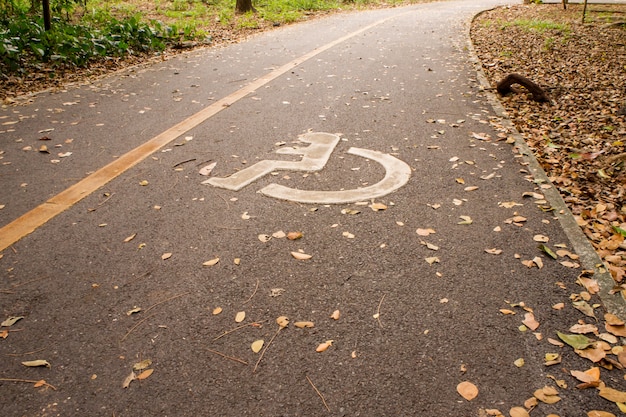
314 158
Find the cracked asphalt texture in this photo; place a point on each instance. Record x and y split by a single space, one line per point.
406 87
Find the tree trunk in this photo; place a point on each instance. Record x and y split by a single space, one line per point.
244 6
505 86
47 16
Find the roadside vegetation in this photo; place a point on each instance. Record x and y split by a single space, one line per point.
90 37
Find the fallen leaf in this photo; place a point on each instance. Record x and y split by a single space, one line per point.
11 321
129 238
282 321
301 256
4 334
294 235
212 262
518 412
612 395
257 345
133 311
206 170
559 306
472 188
616 330
494 251
336 314
36 363
240 316
465 220
264 238
39 383
144 364
143 183
530 322
145 374
166 255
519 362
585 308
590 375
576 341
613 320
246 216
594 353
431 260
130 378
541 238
304 324
378 206
217 310
279 235
548 251
467 390
425 232
547 395
507 311
598 413
323 346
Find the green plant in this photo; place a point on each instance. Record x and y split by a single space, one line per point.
540 25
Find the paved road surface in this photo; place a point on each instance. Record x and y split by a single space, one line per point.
404 123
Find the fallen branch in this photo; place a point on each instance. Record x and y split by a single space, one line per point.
25 353
256 323
266 347
318 392
377 315
165 301
135 326
505 87
29 381
254 292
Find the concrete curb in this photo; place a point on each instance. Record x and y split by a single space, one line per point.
589 259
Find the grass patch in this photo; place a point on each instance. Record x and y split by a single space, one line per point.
540 26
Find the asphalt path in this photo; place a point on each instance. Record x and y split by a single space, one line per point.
382 131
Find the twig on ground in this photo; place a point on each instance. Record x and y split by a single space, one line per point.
25 353
237 328
165 301
29 381
184 162
135 326
266 347
318 392
254 292
10 290
232 358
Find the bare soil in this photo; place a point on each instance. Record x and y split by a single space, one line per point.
580 134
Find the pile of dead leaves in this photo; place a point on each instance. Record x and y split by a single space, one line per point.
578 137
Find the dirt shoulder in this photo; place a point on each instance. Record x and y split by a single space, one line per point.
579 136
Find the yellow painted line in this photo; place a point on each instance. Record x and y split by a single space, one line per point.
38 216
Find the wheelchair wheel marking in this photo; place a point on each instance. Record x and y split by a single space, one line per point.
397 173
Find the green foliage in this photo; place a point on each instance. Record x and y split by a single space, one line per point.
24 42
540 25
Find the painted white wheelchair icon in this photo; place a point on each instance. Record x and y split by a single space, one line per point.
314 158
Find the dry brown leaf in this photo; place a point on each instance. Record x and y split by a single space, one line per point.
594 354
530 322
39 383
212 262
301 256
217 310
494 251
282 321
590 375
323 346
167 255
336 314
240 316
541 238
467 390
583 328
144 364
4 334
471 188
518 412
130 378
264 238
507 311
294 235
598 413
612 395
36 363
425 232
616 330
559 306
129 238
303 324
613 320
145 374
257 345
432 260
378 206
